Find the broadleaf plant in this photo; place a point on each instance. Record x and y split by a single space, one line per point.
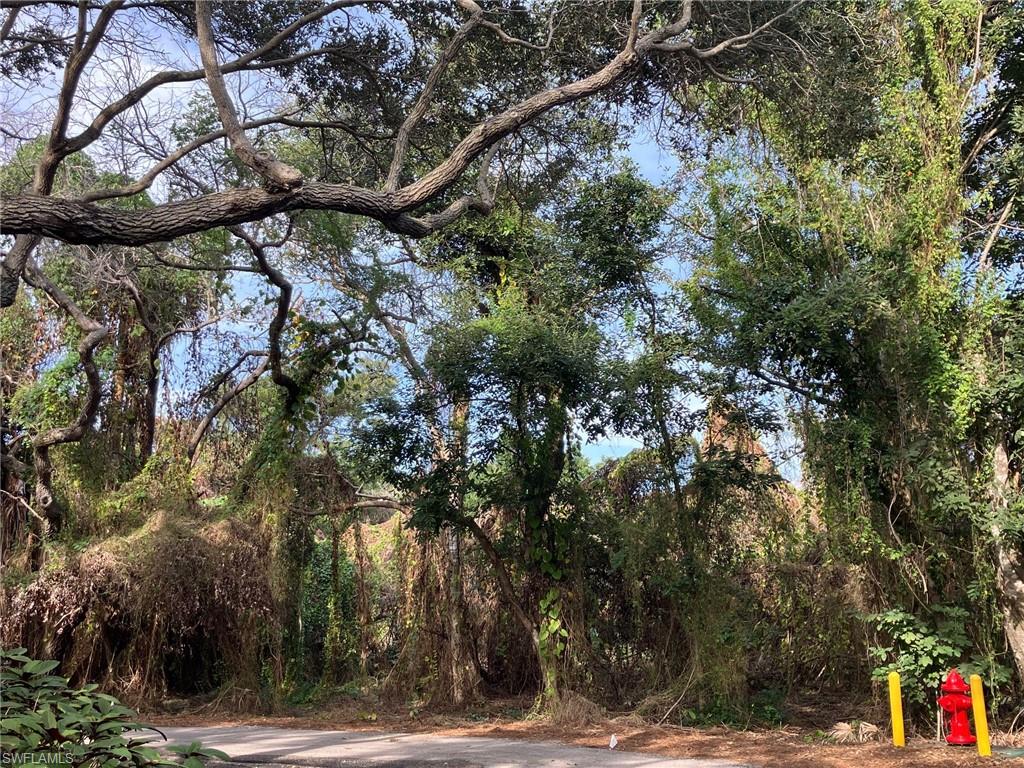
42 714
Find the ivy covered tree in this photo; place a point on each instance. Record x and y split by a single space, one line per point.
521 364
858 287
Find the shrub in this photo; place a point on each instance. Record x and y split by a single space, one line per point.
920 651
41 714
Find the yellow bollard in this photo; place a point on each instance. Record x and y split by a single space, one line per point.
896 706
980 718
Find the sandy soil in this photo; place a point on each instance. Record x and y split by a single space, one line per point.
787 747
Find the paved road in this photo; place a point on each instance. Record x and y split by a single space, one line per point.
353 749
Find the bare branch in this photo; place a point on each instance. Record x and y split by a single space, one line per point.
382 502
505 37
780 380
222 401
86 223
991 241
187 329
277 174
198 267
284 300
145 181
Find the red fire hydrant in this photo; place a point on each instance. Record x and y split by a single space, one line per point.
956 701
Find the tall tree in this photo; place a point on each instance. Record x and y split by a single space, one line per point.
856 285
520 364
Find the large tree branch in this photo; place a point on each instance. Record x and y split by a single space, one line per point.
86 223
277 174
14 264
426 95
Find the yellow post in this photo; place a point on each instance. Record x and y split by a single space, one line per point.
896 706
980 718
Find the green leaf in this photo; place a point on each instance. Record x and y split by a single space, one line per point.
40 667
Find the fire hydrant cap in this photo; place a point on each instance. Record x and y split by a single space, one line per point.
955 683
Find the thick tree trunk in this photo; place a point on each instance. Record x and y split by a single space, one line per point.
1009 563
49 515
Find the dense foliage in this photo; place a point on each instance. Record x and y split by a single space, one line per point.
696 444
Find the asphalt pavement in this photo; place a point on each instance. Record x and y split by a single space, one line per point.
257 745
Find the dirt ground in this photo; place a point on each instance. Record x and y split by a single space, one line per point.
787 747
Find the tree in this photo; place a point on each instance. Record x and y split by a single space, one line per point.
858 287
520 365
725 36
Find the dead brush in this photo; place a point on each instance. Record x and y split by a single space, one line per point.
630 720
855 732
128 612
573 710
